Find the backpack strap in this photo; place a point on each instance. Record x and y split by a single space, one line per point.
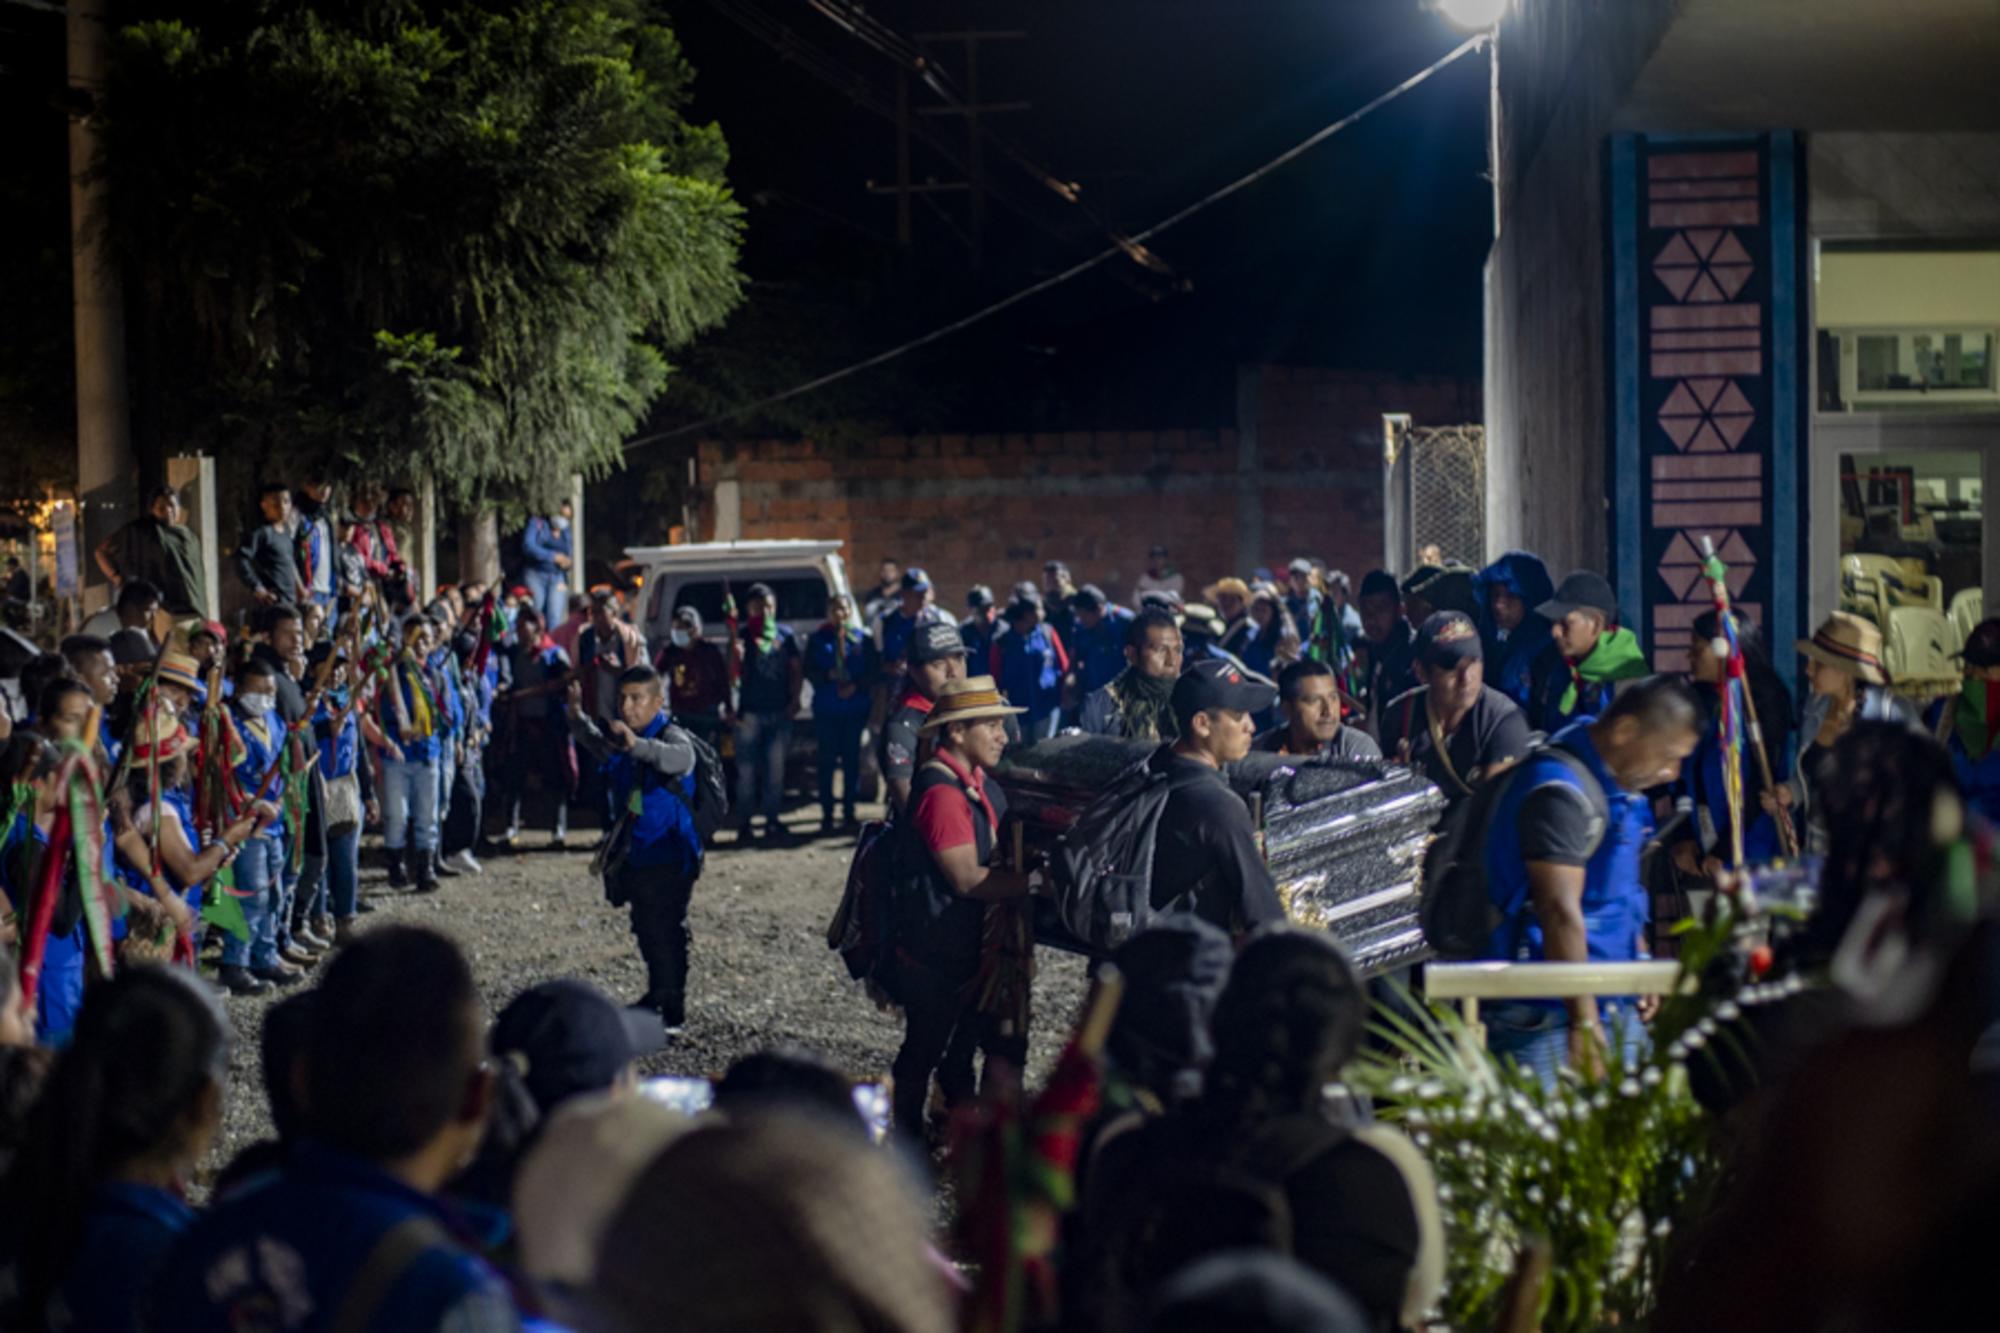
392 1256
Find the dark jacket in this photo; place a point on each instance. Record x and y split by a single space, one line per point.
268 562
1510 658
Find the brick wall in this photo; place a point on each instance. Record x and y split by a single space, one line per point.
1305 479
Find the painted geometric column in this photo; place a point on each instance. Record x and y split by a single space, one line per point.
1706 395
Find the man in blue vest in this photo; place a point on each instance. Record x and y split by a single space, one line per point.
649 767
1563 867
546 551
348 1233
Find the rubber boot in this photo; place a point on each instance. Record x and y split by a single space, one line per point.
397 879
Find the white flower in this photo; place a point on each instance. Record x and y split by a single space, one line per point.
1629 1088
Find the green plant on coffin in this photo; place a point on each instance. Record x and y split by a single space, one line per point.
1603 1171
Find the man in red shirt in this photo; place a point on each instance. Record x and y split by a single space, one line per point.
953 834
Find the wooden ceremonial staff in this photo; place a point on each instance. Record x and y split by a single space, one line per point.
1788 837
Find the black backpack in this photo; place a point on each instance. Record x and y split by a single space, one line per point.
862 929
710 797
1195 1200
1456 909
1101 869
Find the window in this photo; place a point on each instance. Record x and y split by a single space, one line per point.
1902 361
802 597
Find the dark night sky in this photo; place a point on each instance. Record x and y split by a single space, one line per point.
1365 254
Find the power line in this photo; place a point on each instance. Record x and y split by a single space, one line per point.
1124 245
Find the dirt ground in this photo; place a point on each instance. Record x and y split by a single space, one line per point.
761 973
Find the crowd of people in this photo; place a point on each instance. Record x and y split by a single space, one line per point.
187 806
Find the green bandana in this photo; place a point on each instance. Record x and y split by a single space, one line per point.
1973 717
1616 657
1145 706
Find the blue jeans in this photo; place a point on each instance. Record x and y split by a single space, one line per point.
1536 1035
258 874
549 591
447 773
761 742
409 804
343 866
839 747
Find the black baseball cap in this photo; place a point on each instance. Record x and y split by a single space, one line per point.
1215 683
980 597
915 580
1448 638
572 1038
1581 591
934 643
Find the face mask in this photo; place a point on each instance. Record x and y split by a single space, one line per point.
256 705
559 523
681 638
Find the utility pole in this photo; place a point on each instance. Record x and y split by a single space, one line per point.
972 109
906 189
105 467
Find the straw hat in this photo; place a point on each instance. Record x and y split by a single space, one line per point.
967 700
182 670
1232 585
1848 643
160 737
1201 618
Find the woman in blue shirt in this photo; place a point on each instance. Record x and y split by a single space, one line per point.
185 864
124 1118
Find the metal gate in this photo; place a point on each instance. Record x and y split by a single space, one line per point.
1434 492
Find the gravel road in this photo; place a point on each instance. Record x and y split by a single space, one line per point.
761 971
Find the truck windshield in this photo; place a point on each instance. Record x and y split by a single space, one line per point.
802 597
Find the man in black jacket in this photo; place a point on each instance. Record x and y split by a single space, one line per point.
267 562
1206 858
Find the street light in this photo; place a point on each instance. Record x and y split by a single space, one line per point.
1472 15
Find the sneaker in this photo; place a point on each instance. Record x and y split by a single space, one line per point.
311 939
299 958
239 981
279 975
322 926
441 868
468 863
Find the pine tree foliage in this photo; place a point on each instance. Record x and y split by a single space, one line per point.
456 239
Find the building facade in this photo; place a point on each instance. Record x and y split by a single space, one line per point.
1746 291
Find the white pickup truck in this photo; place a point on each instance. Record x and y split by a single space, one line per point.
805 575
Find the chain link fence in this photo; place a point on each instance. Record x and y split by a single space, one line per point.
1436 492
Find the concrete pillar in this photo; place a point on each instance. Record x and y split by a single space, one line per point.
576 556
1249 484
423 533
106 471
479 547
193 476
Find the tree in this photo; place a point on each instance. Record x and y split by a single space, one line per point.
454 239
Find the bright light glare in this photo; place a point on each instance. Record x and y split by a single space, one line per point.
1472 15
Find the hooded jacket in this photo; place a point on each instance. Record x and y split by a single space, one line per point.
1561 691
1510 657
